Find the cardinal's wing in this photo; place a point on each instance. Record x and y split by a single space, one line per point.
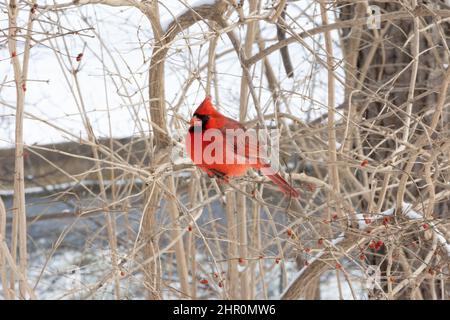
246 146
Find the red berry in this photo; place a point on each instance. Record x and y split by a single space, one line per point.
320 241
204 281
335 216
241 261
362 256
364 163
216 275
122 273
277 260
220 284
289 232
24 87
307 250
425 226
338 266
79 56
386 220
13 54
189 228
306 263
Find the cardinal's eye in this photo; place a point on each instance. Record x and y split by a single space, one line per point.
204 118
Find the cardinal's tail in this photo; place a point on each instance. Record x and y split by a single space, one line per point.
284 186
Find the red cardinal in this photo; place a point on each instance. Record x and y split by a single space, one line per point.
209 145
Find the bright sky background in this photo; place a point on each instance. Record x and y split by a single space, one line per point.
113 74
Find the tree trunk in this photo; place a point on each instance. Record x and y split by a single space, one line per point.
396 72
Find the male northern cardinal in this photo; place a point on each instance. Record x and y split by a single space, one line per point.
208 146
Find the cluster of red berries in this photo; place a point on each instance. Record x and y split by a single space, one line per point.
376 245
205 281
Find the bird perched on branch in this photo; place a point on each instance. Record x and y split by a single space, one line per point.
224 148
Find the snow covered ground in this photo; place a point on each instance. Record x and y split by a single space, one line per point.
69 257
